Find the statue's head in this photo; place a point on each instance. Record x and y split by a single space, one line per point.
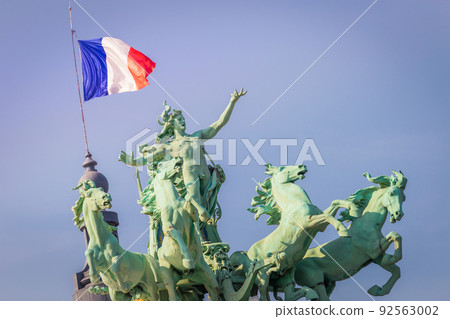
286 174
393 196
95 198
170 122
178 121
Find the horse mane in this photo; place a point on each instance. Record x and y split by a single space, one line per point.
264 202
362 196
148 201
77 209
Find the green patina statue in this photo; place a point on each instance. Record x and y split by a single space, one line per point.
127 275
201 182
324 265
133 276
298 222
186 257
180 250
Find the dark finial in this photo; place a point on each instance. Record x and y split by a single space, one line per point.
91 173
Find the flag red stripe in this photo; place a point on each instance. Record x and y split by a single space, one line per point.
140 67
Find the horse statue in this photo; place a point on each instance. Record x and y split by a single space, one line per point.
298 220
341 258
181 255
128 276
181 251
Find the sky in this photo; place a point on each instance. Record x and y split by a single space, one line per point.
377 100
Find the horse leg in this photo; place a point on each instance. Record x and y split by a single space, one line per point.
319 221
336 204
387 287
387 262
332 210
329 287
148 281
290 292
275 294
388 259
169 282
116 269
146 292
93 273
329 214
322 292
198 231
340 227
153 239
262 281
202 213
188 261
118 296
203 274
307 273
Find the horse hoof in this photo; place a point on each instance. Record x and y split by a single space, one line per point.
188 264
374 290
344 233
311 294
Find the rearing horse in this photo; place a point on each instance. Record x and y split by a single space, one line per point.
322 266
128 275
181 250
298 222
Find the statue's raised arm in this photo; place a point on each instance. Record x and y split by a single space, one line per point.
214 128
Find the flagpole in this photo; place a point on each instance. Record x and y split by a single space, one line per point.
72 31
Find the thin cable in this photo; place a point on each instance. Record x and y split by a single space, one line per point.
72 31
314 63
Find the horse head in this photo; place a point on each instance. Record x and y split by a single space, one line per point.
393 196
94 197
170 169
265 202
286 174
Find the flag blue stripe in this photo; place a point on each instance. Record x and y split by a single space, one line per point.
95 74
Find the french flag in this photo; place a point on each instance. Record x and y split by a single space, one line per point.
111 66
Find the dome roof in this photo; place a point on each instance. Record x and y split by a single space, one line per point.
91 173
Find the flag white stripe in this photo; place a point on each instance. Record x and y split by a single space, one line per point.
120 78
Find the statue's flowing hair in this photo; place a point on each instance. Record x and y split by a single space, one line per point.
264 202
166 121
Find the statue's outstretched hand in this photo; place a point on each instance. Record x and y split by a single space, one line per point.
236 95
127 159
